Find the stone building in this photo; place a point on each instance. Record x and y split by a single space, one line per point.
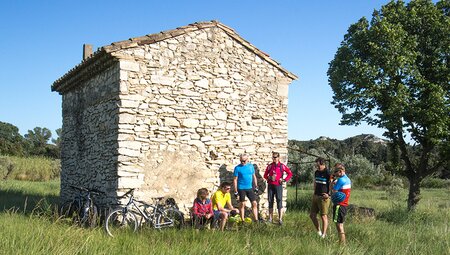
169 113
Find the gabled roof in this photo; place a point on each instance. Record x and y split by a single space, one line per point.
102 58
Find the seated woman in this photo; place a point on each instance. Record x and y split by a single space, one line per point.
202 210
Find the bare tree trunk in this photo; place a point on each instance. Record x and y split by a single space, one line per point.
414 192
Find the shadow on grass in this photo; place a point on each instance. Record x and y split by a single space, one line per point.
26 203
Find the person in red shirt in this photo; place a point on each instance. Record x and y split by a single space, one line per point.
274 176
202 209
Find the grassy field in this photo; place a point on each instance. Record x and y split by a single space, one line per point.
32 228
29 168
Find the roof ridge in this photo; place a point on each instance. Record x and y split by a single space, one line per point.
166 34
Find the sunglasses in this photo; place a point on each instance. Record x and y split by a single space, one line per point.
274 157
227 188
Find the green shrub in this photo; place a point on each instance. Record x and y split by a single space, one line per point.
435 183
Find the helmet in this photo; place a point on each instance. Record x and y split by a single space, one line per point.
235 218
338 197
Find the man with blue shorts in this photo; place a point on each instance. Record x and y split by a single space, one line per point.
244 181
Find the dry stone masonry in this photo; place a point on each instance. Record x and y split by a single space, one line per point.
169 113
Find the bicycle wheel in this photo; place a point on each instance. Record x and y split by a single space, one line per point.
170 218
119 221
69 210
89 216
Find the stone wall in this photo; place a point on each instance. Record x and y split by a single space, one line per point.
189 106
89 134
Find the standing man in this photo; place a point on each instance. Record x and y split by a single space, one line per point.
220 199
274 176
344 185
244 181
321 197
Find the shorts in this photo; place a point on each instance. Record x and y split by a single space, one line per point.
320 205
216 214
246 192
339 212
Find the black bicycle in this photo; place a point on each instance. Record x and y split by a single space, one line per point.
81 210
138 213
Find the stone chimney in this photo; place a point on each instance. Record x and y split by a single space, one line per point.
87 51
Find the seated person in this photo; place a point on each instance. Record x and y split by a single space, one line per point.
202 211
220 199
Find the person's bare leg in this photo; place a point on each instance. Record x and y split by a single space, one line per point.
270 214
255 210
341 233
241 210
280 214
315 221
223 222
324 224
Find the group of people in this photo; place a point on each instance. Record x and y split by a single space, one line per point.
245 184
326 184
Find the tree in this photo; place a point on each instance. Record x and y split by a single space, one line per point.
38 139
11 142
394 73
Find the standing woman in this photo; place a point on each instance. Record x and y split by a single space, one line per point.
274 176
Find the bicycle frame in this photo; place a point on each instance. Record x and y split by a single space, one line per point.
151 216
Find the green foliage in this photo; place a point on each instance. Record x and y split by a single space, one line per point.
435 183
394 72
35 142
30 168
358 165
11 142
38 139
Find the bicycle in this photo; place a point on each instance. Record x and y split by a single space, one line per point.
81 209
155 215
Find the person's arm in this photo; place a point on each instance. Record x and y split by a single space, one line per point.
210 210
289 173
235 183
337 186
230 205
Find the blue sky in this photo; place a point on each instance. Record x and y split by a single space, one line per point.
42 40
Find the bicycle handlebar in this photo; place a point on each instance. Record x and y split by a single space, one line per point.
96 191
128 193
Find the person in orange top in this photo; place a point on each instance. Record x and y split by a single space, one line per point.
274 176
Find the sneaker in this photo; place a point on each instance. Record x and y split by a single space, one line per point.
269 221
280 222
323 235
319 233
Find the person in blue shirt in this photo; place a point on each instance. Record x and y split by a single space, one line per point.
244 181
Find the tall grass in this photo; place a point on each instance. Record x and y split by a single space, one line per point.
393 231
29 168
